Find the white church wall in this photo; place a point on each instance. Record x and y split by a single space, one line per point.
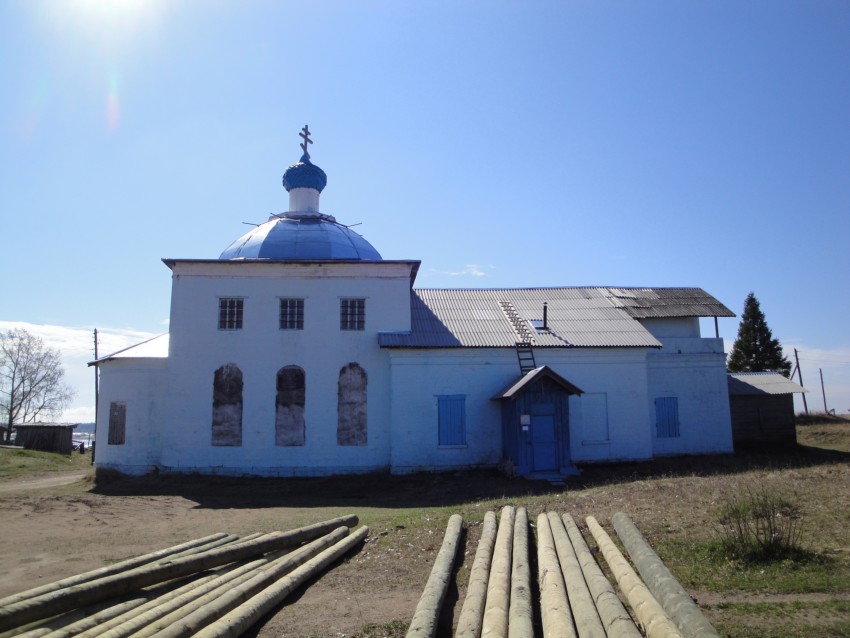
672 327
419 376
261 348
614 381
139 384
697 382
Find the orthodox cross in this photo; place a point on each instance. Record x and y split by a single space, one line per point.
305 133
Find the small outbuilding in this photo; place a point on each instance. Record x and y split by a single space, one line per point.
762 409
47 437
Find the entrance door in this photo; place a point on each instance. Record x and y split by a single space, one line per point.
544 456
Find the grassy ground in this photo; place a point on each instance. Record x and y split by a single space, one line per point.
675 502
16 463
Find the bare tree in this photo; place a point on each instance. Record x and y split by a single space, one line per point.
31 380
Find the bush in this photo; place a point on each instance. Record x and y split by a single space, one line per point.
761 525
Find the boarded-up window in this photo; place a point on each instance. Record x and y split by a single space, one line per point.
594 417
230 313
667 417
289 407
117 423
352 314
351 406
227 406
451 416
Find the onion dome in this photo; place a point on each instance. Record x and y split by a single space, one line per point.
303 233
304 174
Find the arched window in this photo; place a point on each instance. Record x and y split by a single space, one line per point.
351 406
289 407
227 406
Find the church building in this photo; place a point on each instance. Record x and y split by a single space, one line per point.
300 351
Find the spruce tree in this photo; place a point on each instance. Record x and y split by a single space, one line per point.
755 349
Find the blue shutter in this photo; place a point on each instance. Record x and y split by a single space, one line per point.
667 416
452 419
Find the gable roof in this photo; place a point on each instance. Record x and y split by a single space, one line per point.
532 375
750 383
576 317
153 348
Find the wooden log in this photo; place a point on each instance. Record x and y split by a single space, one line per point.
185 619
56 602
663 585
555 611
472 612
115 568
495 624
427 615
243 617
520 614
151 611
615 618
588 623
651 615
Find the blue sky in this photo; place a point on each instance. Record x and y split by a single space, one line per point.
504 144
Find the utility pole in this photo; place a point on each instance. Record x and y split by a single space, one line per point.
823 392
800 377
96 393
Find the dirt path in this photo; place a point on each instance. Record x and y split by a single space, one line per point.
40 482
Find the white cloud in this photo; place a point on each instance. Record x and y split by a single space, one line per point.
76 346
475 270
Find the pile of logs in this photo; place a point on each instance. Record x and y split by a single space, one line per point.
576 599
218 585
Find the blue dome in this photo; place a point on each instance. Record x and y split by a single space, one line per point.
305 238
304 174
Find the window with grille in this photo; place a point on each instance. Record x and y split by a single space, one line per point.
451 419
230 313
292 314
667 417
352 314
117 423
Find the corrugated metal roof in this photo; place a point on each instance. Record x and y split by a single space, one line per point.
748 383
577 317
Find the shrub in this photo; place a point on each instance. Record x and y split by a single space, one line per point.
761 525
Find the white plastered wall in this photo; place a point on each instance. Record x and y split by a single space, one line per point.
140 384
260 349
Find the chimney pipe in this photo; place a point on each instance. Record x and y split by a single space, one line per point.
545 316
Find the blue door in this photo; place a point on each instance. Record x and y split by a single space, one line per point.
544 455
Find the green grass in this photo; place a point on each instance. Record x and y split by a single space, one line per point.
23 463
823 619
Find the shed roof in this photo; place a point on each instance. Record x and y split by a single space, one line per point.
532 375
576 317
153 348
754 383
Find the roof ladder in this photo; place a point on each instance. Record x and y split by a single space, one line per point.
525 355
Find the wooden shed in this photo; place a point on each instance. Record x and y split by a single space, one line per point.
762 409
47 437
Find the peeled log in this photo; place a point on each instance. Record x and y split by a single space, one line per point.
427 614
188 619
240 619
495 623
588 624
554 607
472 612
520 620
663 585
56 602
615 618
655 621
115 568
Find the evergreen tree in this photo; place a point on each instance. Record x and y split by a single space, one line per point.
755 349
